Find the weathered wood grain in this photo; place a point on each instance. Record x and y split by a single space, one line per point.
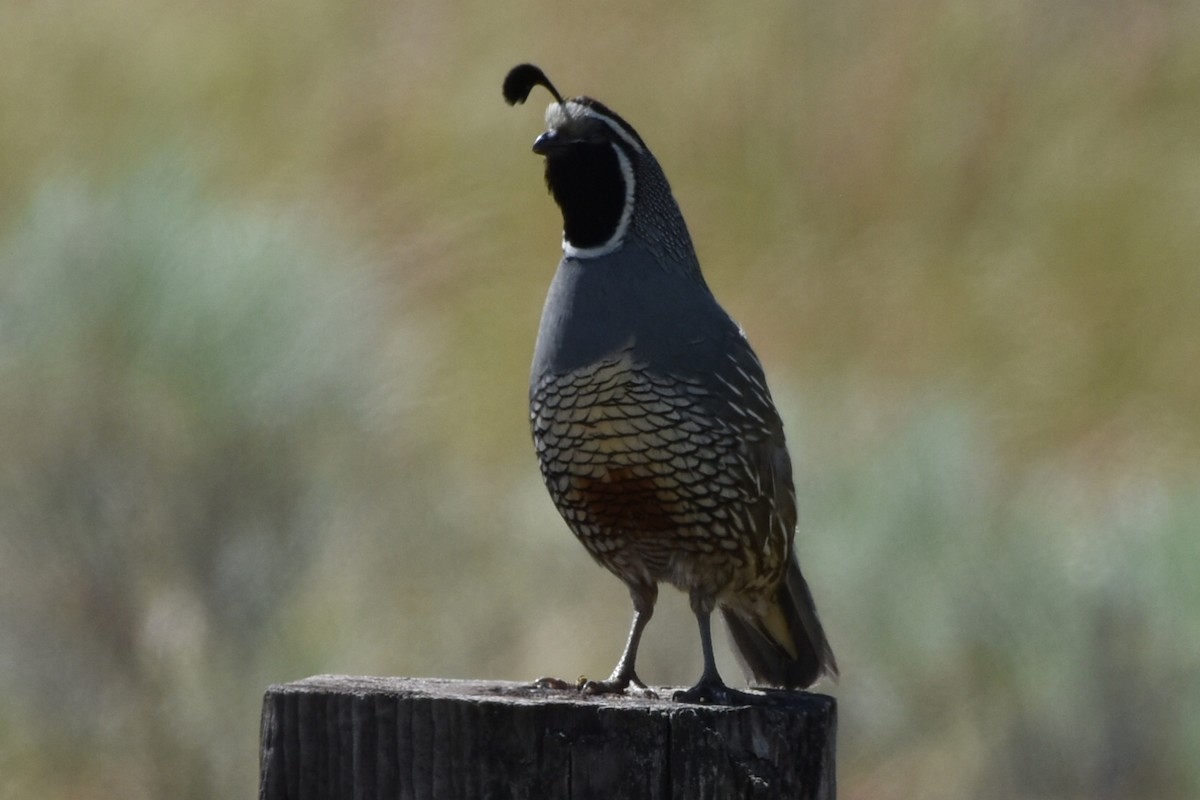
357 738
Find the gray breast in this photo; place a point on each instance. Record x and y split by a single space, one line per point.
597 308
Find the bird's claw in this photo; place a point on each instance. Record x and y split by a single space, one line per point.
618 684
714 692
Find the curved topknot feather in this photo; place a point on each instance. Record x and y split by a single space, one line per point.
520 82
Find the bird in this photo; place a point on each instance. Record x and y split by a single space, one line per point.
654 429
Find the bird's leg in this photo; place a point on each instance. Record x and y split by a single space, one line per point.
710 688
624 675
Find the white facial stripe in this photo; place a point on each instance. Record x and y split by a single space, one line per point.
557 114
618 236
610 122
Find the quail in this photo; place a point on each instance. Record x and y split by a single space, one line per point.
655 432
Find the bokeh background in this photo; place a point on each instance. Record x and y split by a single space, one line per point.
270 275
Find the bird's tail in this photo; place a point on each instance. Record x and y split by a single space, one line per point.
781 642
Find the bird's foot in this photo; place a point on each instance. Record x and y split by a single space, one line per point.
713 691
619 684
641 690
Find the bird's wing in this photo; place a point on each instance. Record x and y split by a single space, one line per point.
740 397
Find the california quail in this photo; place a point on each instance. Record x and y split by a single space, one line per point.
654 429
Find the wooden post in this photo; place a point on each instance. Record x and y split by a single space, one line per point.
354 738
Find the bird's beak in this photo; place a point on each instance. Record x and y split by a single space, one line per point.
548 141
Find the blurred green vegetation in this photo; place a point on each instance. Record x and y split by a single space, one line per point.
270 275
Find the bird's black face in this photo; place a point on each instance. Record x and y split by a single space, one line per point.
591 165
590 177
592 157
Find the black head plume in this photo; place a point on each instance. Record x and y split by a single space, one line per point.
520 82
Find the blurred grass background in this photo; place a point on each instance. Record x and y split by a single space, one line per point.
270 274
